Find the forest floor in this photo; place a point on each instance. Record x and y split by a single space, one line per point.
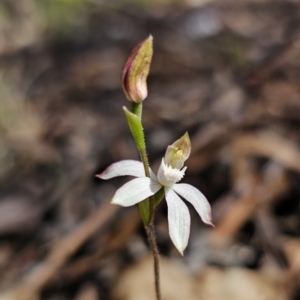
228 72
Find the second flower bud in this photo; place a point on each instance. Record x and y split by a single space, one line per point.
136 70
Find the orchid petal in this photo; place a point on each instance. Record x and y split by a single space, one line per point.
178 152
167 175
153 176
196 198
124 168
179 220
135 191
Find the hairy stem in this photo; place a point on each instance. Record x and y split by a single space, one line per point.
150 230
152 241
145 161
137 109
149 226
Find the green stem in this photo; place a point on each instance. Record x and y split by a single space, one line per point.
137 109
149 225
152 241
145 161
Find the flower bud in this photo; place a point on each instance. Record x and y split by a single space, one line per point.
136 70
178 152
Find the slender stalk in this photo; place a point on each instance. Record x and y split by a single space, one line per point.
149 227
152 241
144 159
137 109
151 232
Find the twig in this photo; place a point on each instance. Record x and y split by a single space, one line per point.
32 284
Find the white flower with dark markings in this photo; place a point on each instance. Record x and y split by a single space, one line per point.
170 172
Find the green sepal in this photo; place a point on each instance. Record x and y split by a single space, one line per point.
136 128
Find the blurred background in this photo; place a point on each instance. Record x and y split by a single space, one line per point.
226 71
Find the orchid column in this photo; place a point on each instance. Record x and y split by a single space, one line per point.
147 190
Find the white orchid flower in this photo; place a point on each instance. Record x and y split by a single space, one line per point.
170 172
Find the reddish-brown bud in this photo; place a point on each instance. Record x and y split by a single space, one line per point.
136 70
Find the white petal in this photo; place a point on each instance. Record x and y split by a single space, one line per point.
179 220
135 191
167 175
122 168
196 198
153 176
